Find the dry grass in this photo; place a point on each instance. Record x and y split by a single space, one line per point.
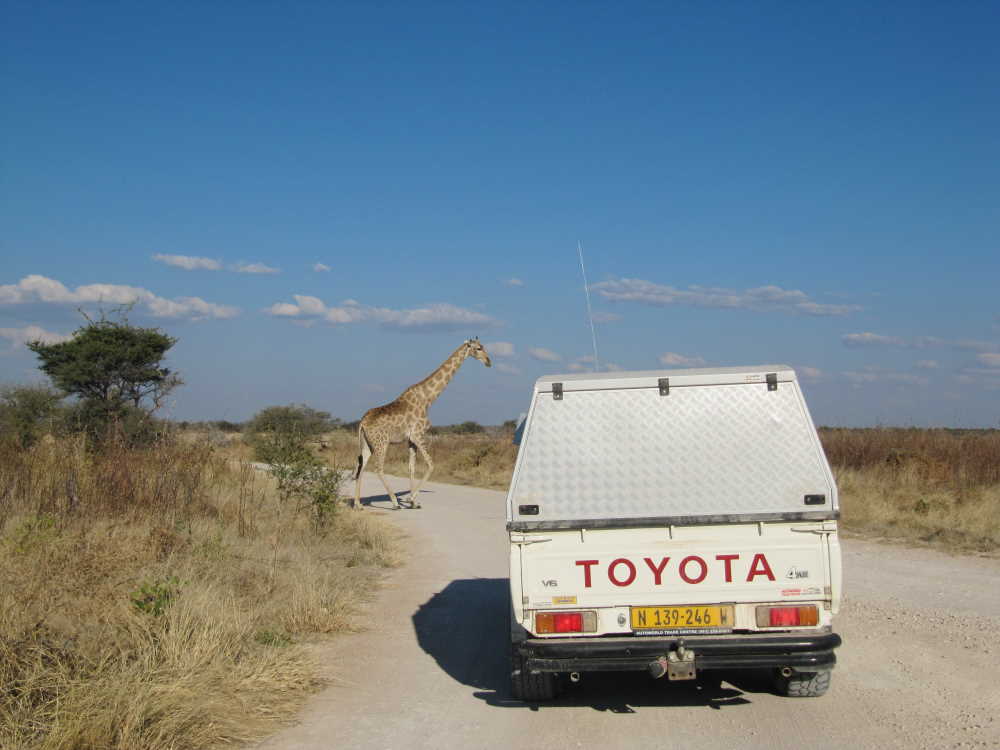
936 486
158 598
928 485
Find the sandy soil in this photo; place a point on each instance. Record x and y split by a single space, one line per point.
921 634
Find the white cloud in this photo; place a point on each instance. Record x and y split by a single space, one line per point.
926 364
855 340
975 346
188 262
310 305
509 369
21 336
543 355
500 349
809 373
195 263
438 316
35 288
869 339
879 376
513 282
586 364
349 314
320 267
284 309
254 268
673 358
989 359
759 299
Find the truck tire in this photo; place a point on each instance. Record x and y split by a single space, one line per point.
802 684
530 687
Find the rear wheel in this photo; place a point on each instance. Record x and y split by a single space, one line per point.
802 684
525 686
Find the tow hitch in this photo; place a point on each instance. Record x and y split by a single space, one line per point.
676 665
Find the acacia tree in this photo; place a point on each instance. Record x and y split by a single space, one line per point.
112 364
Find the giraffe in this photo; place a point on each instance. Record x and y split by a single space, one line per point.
406 419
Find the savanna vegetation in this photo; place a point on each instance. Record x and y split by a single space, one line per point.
155 592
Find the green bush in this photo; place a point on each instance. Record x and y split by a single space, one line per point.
28 411
153 597
292 419
103 421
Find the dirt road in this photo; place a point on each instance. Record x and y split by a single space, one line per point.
918 668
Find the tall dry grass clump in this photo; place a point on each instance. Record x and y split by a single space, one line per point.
157 597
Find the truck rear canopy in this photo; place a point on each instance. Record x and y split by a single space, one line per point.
671 446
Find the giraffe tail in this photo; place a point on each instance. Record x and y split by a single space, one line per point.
364 452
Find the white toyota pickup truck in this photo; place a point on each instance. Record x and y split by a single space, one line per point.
673 522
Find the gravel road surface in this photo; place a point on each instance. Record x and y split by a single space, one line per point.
918 668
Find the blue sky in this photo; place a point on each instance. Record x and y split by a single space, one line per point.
812 184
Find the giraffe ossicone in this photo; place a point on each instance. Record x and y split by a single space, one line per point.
405 420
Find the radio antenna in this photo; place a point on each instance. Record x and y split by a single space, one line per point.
590 315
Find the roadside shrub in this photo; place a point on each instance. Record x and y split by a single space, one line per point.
296 419
28 411
280 448
105 422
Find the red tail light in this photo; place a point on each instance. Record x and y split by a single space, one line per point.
784 616
565 622
787 617
568 622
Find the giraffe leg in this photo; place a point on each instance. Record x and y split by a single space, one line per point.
430 467
363 455
357 484
413 470
378 454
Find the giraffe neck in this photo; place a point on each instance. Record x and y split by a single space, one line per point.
427 390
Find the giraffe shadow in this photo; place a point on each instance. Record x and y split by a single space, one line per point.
384 502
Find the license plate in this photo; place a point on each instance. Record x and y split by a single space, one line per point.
699 619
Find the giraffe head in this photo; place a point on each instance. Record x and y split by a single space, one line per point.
474 349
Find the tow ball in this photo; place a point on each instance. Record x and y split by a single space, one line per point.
676 665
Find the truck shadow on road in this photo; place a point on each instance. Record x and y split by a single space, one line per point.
464 627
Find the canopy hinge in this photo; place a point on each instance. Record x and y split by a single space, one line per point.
664 384
557 391
772 381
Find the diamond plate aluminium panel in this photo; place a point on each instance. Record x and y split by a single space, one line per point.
702 450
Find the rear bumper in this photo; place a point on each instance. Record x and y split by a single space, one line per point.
800 652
